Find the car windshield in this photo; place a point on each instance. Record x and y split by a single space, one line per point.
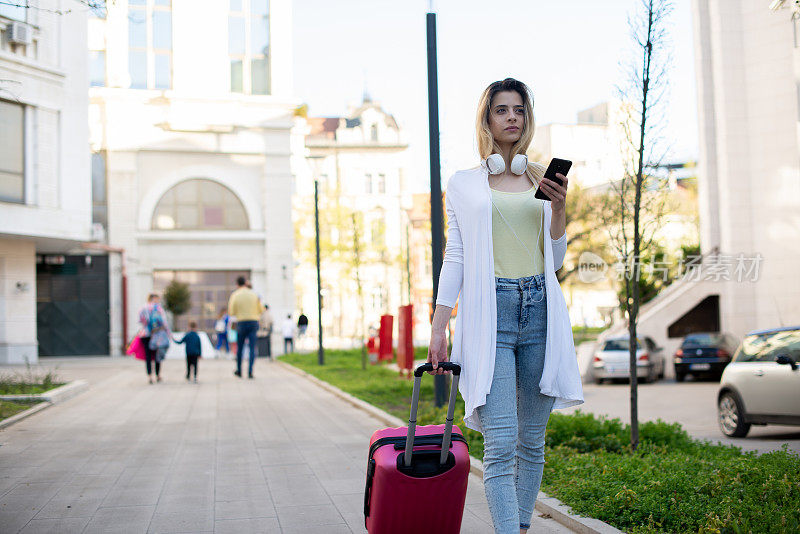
619 344
702 340
768 346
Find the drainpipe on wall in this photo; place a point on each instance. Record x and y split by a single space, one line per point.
124 272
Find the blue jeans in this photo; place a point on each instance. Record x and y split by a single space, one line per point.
246 331
222 339
515 415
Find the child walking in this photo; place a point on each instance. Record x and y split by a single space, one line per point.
192 341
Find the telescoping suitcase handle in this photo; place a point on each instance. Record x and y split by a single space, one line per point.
412 420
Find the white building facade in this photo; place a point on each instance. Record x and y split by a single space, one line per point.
45 187
360 161
748 87
192 124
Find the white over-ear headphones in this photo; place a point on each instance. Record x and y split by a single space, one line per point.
497 165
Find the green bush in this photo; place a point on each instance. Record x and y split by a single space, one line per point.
177 298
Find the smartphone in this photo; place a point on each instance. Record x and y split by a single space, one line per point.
557 165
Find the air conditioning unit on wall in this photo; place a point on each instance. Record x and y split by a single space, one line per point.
20 33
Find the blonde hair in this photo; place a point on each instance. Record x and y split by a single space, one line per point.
486 143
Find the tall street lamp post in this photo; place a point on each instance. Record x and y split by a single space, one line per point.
437 217
321 351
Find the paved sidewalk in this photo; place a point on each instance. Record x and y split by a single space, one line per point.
274 454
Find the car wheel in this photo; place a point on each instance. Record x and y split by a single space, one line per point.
680 377
731 416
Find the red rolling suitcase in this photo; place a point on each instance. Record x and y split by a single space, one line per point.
424 491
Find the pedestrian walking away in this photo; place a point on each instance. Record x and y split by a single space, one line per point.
154 334
513 338
288 331
266 331
246 307
193 350
302 324
221 329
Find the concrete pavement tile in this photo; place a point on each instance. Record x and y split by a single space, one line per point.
246 479
92 481
475 491
305 515
339 528
199 520
244 509
39 489
120 519
9 482
339 486
352 503
15 471
13 503
131 497
50 476
238 493
305 489
75 492
174 503
273 472
73 525
189 488
258 525
13 521
472 524
481 511
355 521
69 507
282 454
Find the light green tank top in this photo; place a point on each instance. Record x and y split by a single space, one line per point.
522 214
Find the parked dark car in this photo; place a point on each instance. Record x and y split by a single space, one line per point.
704 354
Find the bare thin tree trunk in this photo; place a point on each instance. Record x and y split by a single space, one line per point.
633 310
357 261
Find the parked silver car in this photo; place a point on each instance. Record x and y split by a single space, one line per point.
762 384
613 360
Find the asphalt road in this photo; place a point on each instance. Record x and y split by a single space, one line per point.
690 403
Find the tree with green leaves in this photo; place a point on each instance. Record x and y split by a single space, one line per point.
177 299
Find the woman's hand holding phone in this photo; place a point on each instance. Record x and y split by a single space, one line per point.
556 192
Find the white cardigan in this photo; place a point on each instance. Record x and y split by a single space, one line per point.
469 267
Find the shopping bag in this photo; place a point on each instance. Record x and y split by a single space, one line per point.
136 348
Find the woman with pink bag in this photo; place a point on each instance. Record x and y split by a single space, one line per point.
154 335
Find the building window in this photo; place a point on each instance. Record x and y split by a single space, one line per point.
150 44
373 133
368 184
382 184
12 152
248 46
199 204
99 191
97 68
17 10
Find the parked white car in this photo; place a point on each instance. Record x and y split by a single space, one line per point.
613 360
761 385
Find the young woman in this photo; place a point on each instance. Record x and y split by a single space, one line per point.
513 337
155 335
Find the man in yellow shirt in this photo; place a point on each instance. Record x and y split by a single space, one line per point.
246 307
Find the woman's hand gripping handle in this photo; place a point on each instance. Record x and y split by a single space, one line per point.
437 348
